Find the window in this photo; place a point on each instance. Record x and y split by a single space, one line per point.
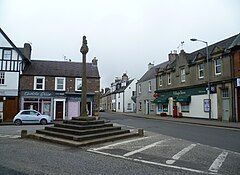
59 83
225 93
218 66
118 95
39 83
149 86
7 54
78 84
200 71
139 89
129 107
160 81
119 105
140 106
152 106
169 78
183 75
2 78
184 107
162 107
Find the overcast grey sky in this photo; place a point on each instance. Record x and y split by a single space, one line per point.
124 35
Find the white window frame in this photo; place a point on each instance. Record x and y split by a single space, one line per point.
2 78
218 65
139 89
200 70
183 75
149 86
35 82
56 83
160 81
7 54
169 78
76 84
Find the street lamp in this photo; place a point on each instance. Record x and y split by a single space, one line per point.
208 80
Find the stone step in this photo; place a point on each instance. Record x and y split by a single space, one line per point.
82 143
83 137
82 127
81 132
84 118
79 122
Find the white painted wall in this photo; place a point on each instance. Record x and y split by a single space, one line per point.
10 88
196 107
128 96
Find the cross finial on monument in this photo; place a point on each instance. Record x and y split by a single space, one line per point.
84 48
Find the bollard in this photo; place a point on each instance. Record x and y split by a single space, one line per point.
24 134
140 132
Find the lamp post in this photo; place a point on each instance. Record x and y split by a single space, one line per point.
208 79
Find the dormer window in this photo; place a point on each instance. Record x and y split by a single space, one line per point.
200 71
183 75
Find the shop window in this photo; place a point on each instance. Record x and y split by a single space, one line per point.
165 107
39 83
59 83
200 71
2 78
184 107
218 66
78 84
162 107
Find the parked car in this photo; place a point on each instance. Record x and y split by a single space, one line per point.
31 116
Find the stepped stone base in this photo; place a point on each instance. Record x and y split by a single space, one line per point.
83 131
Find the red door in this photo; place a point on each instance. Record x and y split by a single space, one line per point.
59 110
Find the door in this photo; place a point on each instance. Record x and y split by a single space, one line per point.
59 110
225 105
10 106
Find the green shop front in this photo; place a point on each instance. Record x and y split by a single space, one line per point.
188 102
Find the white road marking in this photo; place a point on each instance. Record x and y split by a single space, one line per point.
152 163
181 153
144 148
119 143
218 162
9 136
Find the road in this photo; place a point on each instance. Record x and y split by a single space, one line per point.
216 137
161 151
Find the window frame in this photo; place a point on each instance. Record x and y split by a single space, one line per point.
76 84
149 86
8 54
35 82
200 70
169 78
160 81
2 78
139 89
218 65
56 83
183 75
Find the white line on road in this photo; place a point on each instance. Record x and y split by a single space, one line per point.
144 148
9 136
152 163
120 143
218 162
181 153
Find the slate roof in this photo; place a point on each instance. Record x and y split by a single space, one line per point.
151 73
60 68
224 44
122 88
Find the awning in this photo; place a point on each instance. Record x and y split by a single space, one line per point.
183 98
160 100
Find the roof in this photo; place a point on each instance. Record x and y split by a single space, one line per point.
60 68
13 45
224 44
122 88
151 73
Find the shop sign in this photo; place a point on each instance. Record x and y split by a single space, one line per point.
37 94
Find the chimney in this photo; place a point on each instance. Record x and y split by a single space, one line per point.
172 56
150 65
27 51
94 61
124 77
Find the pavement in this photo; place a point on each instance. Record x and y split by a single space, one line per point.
197 121
207 122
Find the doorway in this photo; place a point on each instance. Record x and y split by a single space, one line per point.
59 110
225 105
